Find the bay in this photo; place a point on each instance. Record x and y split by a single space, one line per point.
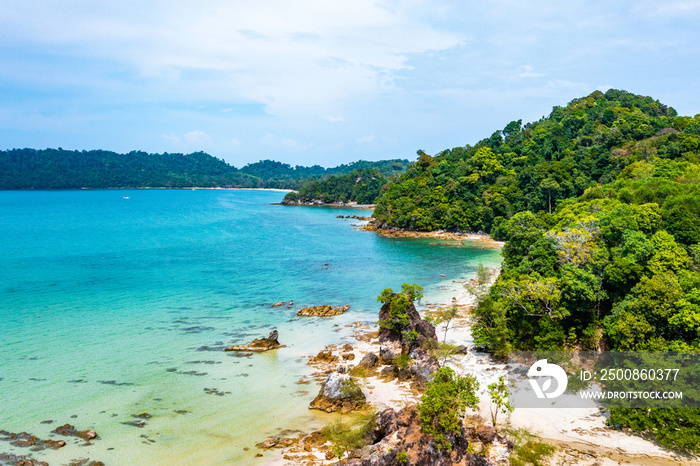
118 302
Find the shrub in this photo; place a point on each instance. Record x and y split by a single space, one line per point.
403 361
349 432
529 449
402 457
358 371
443 403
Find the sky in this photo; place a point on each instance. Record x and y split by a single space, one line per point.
324 81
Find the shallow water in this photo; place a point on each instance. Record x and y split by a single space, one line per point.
111 307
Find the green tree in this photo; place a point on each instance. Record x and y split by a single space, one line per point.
499 393
549 185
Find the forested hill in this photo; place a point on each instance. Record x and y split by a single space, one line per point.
64 169
599 204
362 186
534 166
269 169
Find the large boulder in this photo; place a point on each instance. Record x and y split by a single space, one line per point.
259 344
339 392
369 361
422 370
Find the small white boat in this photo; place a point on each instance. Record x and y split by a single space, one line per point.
127 197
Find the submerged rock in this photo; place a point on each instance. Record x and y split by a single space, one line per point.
258 345
68 429
325 356
325 310
339 392
88 434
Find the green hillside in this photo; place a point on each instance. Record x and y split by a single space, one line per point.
65 169
535 166
362 186
599 204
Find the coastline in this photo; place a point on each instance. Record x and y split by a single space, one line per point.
580 435
128 188
483 238
353 205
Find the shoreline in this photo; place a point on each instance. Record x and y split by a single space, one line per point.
580 435
351 205
484 238
132 188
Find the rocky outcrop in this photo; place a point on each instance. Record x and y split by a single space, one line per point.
399 433
417 364
339 392
259 345
325 356
325 310
424 330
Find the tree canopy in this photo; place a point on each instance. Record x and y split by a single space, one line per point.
65 169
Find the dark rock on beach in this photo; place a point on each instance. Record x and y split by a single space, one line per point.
259 345
369 361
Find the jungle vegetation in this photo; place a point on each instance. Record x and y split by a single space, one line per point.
66 169
362 186
599 205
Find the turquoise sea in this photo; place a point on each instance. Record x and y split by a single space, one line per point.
119 302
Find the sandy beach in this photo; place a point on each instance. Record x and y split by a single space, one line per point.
580 435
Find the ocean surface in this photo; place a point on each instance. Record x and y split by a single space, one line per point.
119 302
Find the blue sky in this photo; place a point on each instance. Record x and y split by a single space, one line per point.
324 81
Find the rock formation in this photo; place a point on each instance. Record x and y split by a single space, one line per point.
424 329
339 393
420 365
399 433
259 345
325 310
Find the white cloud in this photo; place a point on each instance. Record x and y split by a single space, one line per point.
290 56
197 137
195 140
335 119
668 9
172 139
288 144
529 73
365 139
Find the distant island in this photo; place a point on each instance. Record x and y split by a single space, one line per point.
99 169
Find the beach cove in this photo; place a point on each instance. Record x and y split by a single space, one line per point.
114 307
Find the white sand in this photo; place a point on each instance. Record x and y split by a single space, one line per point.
577 429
